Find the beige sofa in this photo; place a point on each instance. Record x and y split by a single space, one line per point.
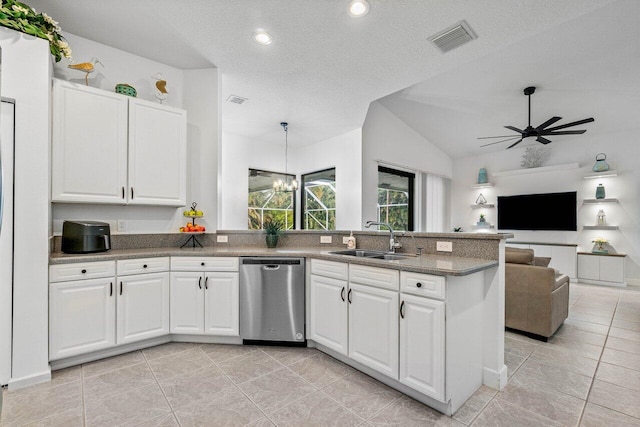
537 299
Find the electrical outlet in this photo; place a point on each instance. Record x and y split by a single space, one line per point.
325 239
444 246
122 225
222 239
345 240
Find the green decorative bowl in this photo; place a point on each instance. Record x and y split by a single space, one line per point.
126 89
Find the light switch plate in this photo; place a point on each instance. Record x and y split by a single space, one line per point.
325 239
345 240
444 246
122 225
222 239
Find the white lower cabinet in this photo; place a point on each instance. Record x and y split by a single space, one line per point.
205 303
87 315
422 345
328 312
81 317
142 307
601 269
373 328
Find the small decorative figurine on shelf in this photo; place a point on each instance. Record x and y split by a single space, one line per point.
86 67
600 242
601 164
161 85
600 193
481 200
602 219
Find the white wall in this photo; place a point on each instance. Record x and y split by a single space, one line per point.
387 139
194 90
26 77
239 154
622 150
344 152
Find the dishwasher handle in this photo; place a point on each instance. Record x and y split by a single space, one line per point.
271 267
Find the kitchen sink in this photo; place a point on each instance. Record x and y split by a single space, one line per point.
358 253
372 254
391 257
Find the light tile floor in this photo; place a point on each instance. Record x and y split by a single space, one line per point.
588 374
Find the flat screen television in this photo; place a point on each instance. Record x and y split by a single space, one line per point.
550 211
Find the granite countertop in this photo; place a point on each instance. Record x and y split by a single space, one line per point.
443 265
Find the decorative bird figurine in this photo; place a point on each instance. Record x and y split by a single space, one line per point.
161 85
86 67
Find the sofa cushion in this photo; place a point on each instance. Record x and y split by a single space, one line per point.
518 256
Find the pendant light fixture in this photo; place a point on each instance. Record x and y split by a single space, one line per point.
288 184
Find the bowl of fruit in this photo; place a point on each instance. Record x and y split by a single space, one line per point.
193 228
193 212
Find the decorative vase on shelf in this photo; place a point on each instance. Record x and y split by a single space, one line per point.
482 176
600 194
601 164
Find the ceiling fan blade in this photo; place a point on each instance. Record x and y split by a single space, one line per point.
545 141
515 143
501 136
549 122
498 142
568 125
514 129
563 132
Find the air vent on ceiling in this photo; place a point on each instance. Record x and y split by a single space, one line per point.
453 37
236 99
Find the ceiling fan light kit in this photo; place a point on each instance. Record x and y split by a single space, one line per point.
539 132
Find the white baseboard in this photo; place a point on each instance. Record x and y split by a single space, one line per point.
41 377
633 282
494 379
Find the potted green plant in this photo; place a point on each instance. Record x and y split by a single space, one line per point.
273 230
482 219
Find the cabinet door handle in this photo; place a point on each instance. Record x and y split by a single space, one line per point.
120 288
401 309
83 271
200 282
349 295
111 289
419 285
342 294
131 193
202 264
144 266
206 279
123 192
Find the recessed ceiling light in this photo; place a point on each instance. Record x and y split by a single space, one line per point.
262 37
358 8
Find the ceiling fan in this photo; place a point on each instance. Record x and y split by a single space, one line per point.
541 131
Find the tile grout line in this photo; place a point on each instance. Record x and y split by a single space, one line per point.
593 380
84 411
159 386
238 387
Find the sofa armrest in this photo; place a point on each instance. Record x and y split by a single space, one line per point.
536 280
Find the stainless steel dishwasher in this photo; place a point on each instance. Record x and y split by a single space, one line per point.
272 300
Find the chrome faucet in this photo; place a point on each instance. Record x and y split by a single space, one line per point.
393 245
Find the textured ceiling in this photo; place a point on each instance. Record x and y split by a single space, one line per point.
324 67
587 67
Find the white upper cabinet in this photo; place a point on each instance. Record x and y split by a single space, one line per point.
89 153
157 154
110 148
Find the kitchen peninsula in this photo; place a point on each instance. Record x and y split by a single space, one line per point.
429 325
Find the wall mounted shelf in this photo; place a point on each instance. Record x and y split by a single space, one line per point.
486 205
596 175
598 201
526 171
600 227
482 227
485 185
